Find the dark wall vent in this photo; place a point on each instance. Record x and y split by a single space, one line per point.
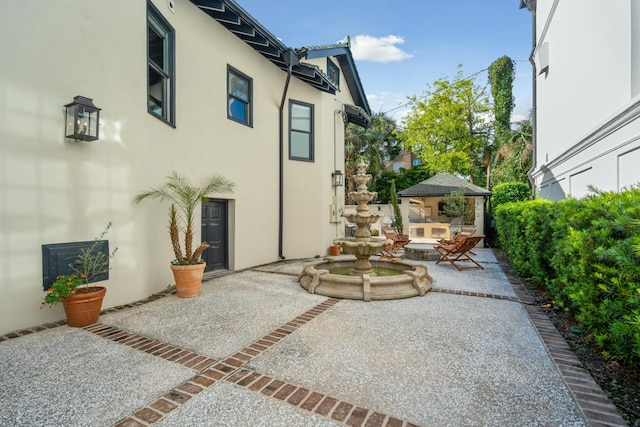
56 258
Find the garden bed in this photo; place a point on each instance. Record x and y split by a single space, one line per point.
619 381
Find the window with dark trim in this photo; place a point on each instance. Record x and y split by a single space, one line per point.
300 131
239 97
333 72
161 66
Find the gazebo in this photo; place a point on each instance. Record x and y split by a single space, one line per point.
422 205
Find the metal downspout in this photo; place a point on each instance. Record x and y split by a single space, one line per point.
291 59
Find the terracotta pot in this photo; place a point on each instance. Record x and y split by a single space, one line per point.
335 250
188 279
83 308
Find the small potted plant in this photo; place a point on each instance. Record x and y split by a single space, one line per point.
188 266
82 303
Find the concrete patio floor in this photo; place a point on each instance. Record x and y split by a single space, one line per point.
255 349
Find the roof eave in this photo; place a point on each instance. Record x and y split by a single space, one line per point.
528 4
234 18
345 58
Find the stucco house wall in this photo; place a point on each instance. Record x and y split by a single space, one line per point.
56 190
587 63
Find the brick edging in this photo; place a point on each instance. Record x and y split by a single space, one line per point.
232 370
479 294
592 401
50 325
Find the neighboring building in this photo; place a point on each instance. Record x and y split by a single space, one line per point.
586 59
421 207
195 86
405 160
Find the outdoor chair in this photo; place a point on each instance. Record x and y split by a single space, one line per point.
399 242
459 251
464 232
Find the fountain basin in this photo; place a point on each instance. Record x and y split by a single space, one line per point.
413 280
361 218
362 246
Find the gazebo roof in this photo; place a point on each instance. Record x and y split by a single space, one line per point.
441 185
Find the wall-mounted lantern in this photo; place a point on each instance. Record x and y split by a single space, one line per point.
82 118
337 178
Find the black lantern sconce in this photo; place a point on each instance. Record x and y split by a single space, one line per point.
82 119
338 178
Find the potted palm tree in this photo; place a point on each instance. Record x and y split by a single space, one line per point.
184 196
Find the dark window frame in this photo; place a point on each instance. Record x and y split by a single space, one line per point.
248 104
333 72
166 71
310 133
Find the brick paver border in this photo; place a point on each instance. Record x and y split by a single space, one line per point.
209 371
592 401
479 294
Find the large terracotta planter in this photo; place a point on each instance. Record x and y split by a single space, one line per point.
83 308
188 279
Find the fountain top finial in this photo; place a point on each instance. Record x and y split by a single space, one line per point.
362 178
362 167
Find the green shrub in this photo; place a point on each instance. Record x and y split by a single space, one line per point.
524 232
587 252
509 192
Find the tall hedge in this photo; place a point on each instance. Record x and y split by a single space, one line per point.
509 192
587 252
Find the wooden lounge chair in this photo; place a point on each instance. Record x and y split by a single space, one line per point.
459 251
464 232
399 242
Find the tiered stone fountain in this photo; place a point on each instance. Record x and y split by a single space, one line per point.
358 279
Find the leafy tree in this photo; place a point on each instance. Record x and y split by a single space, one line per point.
378 143
404 178
501 74
512 148
514 157
445 127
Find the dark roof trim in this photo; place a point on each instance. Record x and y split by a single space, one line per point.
442 185
357 115
235 19
529 4
342 52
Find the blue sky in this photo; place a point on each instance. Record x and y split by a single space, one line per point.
402 46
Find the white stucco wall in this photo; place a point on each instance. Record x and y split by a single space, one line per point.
587 107
55 190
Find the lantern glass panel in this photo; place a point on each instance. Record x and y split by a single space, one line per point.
71 121
87 122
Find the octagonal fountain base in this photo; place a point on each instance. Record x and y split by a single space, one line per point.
412 281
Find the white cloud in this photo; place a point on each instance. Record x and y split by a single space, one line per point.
515 118
378 49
